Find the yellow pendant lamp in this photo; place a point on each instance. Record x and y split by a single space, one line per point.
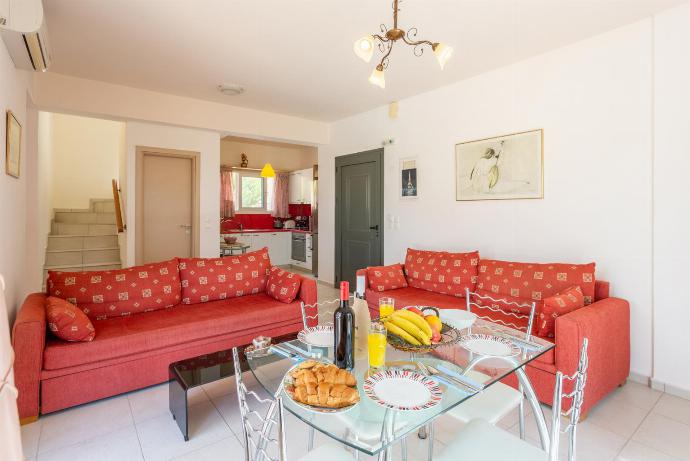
267 171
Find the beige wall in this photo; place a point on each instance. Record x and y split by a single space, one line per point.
282 156
85 159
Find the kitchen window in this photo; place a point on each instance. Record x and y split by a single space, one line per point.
253 193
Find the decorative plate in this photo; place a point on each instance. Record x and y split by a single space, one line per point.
319 336
289 381
458 318
402 390
488 345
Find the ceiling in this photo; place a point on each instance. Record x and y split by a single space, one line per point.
295 56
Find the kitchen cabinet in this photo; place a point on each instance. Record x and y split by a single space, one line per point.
300 186
278 244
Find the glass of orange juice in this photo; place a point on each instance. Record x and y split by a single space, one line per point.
386 307
377 345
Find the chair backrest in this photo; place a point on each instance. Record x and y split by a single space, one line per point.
322 312
483 301
576 398
257 428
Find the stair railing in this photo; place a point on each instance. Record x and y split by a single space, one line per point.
121 226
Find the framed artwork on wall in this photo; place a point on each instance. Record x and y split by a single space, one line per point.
13 134
408 179
501 168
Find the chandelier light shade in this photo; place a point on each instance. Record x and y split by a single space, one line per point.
267 171
364 47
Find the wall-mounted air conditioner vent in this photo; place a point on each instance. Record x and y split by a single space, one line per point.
25 34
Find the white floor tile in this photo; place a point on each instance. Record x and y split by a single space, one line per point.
161 439
154 401
30 436
227 448
673 407
119 445
636 394
635 451
227 385
617 416
665 435
85 422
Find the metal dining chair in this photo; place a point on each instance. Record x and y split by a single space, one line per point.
257 429
482 441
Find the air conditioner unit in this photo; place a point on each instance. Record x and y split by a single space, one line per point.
25 33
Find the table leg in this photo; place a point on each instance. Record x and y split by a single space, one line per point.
177 402
430 454
536 408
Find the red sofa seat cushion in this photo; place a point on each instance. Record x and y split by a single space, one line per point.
532 281
283 285
211 279
121 337
442 272
382 278
67 322
106 294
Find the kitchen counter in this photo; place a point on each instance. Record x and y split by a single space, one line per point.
255 231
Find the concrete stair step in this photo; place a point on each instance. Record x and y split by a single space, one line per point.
59 228
77 242
102 205
84 217
81 256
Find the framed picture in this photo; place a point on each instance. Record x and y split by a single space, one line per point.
13 145
501 168
408 178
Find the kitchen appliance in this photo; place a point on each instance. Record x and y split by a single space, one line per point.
302 222
289 224
299 247
315 223
277 223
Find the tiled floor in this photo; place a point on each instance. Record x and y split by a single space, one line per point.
634 423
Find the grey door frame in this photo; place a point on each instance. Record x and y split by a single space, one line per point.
368 156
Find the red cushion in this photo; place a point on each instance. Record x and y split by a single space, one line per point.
382 278
442 272
534 281
104 294
283 285
210 279
560 304
68 322
127 336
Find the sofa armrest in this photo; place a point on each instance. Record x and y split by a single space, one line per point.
308 295
606 324
28 342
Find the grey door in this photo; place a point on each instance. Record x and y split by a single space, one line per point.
359 210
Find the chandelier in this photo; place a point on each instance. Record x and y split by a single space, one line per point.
364 47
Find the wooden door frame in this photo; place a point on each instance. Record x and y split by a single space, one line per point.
368 156
142 151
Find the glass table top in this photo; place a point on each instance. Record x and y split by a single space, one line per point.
369 427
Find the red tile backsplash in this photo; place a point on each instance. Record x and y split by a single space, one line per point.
299 209
262 221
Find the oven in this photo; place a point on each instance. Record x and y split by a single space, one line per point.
299 247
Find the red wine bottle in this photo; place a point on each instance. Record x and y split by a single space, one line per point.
344 331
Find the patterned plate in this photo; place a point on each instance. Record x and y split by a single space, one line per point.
402 390
488 345
319 336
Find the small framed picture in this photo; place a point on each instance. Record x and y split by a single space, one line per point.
13 146
408 179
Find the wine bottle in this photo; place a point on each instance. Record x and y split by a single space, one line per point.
344 331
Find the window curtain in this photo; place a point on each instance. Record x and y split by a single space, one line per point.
280 196
227 195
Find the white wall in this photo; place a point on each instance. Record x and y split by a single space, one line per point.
14 85
85 153
207 143
672 201
282 156
593 100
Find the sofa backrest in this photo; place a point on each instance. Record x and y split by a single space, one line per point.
209 279
441 271
104 294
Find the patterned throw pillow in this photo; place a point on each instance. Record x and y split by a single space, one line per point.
283 285
383 278
104 294
442 272
560 304
210 279
67 321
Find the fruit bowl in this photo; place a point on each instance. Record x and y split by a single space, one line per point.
448 335
230 240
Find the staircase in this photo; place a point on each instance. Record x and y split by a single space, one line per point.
83 240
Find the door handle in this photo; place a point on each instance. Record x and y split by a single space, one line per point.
186 226
376 227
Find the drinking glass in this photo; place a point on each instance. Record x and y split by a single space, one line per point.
386 307
377 345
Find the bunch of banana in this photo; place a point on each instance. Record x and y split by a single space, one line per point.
409 326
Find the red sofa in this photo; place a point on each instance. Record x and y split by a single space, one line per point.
606 322
134 346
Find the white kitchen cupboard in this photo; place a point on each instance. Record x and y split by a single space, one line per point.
278 244
300 186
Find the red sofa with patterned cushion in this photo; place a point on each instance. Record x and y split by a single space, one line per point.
604 320
145 318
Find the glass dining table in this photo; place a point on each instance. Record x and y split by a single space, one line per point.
373 429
